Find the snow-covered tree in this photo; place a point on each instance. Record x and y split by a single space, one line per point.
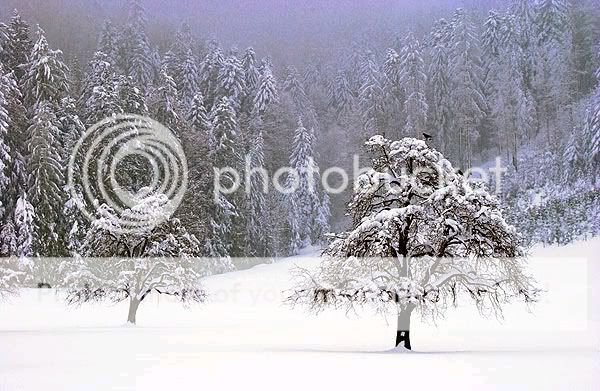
188 85
46 74
304 199
140 65
422 238
224 153
108 43
342 96
370 95
322 227
157 259
439 85
231 81
99 98
46 181
131 97
301 104
251 76
24 219
267 90
198 117
413 79
164 103
17 47
466 86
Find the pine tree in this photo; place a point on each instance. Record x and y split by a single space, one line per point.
551 21
100 98
5 152
523 13
467 85
46 77
209 73
231 82
131 98
198 117
256 207
393 70
108 43
180 52
223 154
439 85
24 222
303 197
251 74
17 47
266 94
302 105
188 86
413 79
342 97
370 96
137 48
46 181
164 103
322 220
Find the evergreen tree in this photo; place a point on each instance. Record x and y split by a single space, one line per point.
466 86
439 85
108 43
188 86
198 117
231 81
303 197
46 181
164 103
131 98
251 74
46 77
100 97
370 96
413 79
139 62
24 222
17 47
267 90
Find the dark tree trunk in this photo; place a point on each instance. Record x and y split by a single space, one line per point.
403 329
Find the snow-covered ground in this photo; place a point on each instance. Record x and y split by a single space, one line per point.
245 338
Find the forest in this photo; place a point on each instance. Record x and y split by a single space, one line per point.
516 80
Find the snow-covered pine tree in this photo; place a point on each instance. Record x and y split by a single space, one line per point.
17 47
439 86
99 98
551 21
179 53
198 117
343 100
5 153
251 78
164 102
466 85
304 200
46 74
266 94
131 97
140 64
370 95
413 79
188 85
157 259
422 238
392 83
46 181
108 43
322 227
209 73
24 223
302 106
231 81
523 14
224 153
256 206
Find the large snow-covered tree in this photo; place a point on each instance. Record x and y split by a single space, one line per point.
46 74
422 238
413 79
46 180
118 266
17 47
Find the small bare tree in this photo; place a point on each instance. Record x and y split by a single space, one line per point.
422 238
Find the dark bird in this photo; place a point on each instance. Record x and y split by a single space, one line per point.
460 172
427 137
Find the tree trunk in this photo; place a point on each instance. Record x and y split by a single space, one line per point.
403 329
133 307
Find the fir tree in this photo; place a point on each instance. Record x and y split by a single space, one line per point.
164 103
413 79
188 86
17 47
46 181
46 77
267 91
137 48
370 94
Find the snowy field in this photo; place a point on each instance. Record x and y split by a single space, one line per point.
244 338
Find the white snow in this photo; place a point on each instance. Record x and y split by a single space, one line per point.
245 338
